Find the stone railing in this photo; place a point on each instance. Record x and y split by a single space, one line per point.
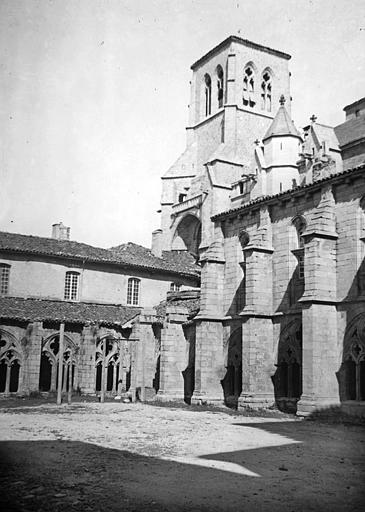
193 202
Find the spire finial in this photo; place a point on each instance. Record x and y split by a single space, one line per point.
313 118
282 100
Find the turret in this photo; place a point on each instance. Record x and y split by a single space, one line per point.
281 148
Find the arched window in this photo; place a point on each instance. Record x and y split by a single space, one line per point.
266 91
4 278
71 286
208 95
248 96
133 291
220 86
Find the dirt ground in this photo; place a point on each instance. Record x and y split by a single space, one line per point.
139 457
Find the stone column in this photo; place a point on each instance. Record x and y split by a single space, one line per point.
32 357
320 347
209 354
87 369
146 360
257 329
174 356
209 362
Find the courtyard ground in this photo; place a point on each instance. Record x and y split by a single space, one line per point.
138 457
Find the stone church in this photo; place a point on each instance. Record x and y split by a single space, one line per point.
276 218
266 219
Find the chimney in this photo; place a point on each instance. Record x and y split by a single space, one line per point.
156 247
60 232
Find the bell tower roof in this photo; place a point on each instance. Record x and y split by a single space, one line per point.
282 125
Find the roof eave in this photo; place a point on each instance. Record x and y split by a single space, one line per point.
240 40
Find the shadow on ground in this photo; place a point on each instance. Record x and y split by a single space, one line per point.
322 470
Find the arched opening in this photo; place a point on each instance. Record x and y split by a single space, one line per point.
49 366
208 95
220 86
10 363
114 360
248 93
3 372
45 374
156 379
297 228
99 368
189 372
266 91
232 381
288 376
352 371
187 236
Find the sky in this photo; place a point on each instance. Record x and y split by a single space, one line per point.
94 98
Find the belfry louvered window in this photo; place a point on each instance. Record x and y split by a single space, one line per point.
266 92
248 96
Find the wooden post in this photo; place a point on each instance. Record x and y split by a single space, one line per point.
60 363
69 393
102 391
143 386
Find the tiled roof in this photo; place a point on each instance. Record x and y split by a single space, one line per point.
282 125
126 255
287 193
61 311
351 131
173 261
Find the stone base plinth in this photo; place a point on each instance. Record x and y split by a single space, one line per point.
308 405
256 401
169 396
204 399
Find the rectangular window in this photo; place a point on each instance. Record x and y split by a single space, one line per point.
4 279
71 286
133 292
174 287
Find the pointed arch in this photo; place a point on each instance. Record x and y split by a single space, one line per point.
266 89
48 373
352 371
208 94
249 84
288 376
220 85
11 362
232 381
187 236
116 365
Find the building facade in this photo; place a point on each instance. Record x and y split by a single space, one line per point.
276 219
96 295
